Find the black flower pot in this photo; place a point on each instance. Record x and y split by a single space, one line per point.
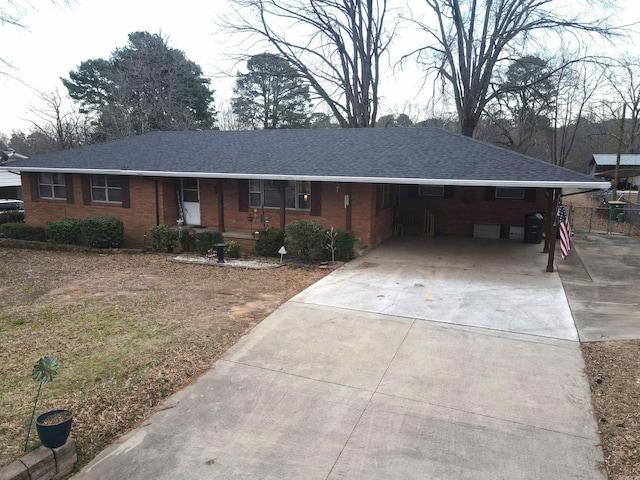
54 435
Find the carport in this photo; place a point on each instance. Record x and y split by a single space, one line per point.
484 212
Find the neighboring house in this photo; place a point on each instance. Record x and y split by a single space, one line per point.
411 181
604 166
10 184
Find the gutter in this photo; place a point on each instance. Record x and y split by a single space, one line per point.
330 178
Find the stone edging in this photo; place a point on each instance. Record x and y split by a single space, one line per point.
43 463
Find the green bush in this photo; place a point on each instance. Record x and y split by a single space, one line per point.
187 239
101 232
11 217
65 231
304 238
343 245
163 237
233 250
205 240
269 242
22 231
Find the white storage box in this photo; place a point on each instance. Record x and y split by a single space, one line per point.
486 230
516 233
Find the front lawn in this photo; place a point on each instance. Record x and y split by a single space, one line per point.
128 330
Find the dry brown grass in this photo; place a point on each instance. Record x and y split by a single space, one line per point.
614 375
128 330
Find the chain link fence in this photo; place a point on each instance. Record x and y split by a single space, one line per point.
605 218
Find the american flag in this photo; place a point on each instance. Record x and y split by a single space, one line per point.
565 230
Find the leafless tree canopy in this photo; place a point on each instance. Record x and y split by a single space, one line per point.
467 39
623 87
336 45
63 128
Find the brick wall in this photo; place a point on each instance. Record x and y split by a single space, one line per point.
469 205
455 214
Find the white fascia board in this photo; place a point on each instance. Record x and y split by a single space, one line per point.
334 178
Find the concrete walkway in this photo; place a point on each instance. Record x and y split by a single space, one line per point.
601 278
433 359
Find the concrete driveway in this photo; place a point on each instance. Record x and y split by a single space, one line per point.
444 359
601 278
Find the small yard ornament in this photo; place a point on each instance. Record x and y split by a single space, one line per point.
44 371
282 252
331 243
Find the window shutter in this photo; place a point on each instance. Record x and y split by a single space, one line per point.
86 190
243 195
529 194
126 195
68 183
448 191
316 199
33 186
489 193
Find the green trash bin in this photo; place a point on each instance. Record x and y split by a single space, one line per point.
616 208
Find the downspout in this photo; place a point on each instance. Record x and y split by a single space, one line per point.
157 202
348 202
221 205
283 208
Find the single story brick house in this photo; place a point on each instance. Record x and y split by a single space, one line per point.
376 182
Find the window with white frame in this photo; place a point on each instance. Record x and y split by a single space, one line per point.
510 193
106 188
297 195
52 185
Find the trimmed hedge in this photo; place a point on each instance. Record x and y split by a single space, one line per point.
205 240
11 217
163 237
22 231
233 250
343 245
65 231
304 238
102 232
269 242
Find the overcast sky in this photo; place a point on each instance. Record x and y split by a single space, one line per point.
58 38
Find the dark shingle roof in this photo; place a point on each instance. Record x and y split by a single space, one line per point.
400 155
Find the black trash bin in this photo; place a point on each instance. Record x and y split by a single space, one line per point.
533 226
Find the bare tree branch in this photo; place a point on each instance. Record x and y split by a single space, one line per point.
471 37
337 46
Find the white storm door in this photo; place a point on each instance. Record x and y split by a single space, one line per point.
191 201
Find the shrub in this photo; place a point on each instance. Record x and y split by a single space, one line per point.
102 232
22 231
304 238
11 217
343 245
269 242
163 237
233 250
205 240
65 231
187 239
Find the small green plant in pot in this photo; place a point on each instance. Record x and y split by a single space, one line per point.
53 426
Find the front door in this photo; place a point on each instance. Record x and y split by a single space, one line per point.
191 201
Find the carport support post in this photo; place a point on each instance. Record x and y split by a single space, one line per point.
548 221
554 228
